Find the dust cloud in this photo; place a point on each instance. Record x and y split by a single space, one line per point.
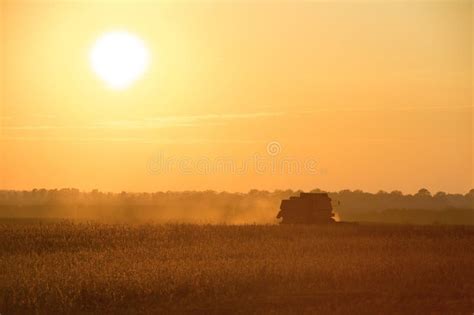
210 207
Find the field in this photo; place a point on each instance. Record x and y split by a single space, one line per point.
95 268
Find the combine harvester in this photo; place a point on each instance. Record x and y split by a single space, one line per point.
308 208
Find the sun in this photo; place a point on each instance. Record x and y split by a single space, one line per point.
119 58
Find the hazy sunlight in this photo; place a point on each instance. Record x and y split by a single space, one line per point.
119 58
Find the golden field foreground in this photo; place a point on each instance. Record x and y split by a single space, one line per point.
97 268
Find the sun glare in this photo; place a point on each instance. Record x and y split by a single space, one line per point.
119 58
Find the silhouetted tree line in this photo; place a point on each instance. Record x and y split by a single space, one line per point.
256 206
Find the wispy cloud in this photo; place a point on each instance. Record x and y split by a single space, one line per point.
36 127
189 121
184 120
390 109
124 139
155 122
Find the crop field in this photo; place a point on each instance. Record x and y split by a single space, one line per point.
66 267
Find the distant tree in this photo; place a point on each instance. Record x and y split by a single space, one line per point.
440 194
423 192
470 194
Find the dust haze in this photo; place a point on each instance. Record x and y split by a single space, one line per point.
210 207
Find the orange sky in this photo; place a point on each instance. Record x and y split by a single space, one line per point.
377 94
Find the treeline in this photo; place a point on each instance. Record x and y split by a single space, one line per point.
256 206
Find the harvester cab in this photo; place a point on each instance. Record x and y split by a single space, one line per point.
308 208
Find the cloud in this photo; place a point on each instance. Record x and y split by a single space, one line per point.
184 120
124 139
156 122
388 109
188 121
